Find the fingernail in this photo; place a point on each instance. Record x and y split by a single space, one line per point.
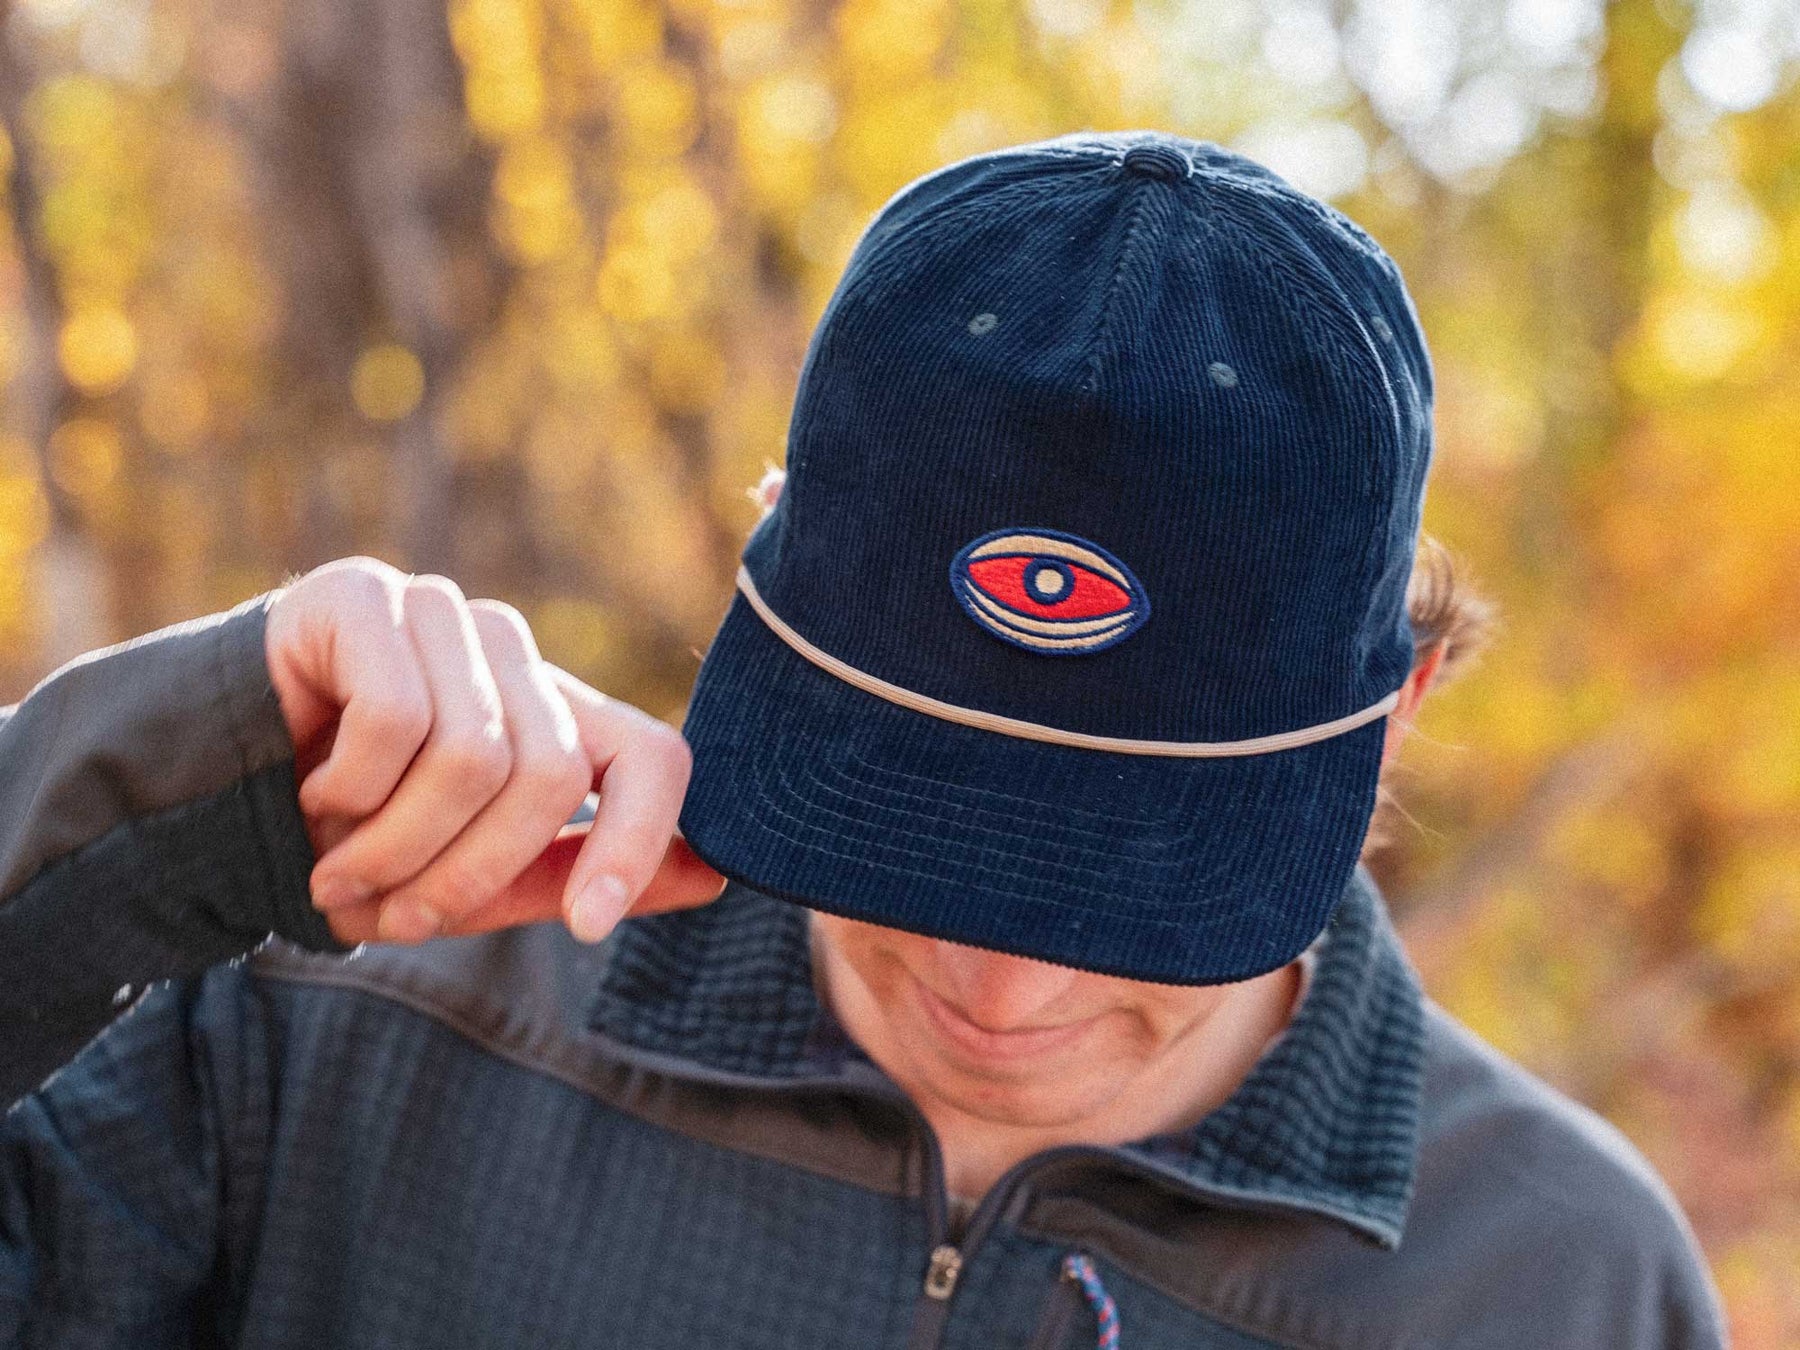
337 892
408 921
598 906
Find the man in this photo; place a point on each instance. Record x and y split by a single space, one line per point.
1055 695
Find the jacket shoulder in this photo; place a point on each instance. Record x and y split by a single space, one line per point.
1581 1241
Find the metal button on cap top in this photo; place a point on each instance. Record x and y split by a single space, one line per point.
1156 161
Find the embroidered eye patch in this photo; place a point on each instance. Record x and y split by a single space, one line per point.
1047 591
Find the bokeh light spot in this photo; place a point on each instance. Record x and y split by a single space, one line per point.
387 382
98 349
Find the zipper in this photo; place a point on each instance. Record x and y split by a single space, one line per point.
947 1259
944 1267
940 1276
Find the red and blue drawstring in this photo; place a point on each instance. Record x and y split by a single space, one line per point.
1080 1269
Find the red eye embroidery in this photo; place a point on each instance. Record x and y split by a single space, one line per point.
1047 591
1090 595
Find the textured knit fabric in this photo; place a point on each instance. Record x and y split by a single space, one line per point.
1327 1120
666 1142
412 1149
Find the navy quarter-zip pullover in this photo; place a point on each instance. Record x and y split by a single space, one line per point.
667 1141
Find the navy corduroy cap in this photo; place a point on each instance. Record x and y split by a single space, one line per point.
1075 629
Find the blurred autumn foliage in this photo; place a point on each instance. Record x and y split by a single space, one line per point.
517 290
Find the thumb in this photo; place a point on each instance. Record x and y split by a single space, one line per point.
681 881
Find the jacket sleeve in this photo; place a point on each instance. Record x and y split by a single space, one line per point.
128 1182
149 828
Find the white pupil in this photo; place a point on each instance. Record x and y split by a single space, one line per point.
1049 581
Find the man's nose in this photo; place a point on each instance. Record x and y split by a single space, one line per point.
999 992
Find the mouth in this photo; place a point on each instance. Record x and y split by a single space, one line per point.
976 1042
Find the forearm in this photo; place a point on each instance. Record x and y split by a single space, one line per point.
148 829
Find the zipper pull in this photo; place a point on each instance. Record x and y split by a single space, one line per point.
946 1265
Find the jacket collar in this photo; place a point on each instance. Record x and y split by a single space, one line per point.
1327 1122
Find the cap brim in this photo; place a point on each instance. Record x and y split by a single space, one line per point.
1178 871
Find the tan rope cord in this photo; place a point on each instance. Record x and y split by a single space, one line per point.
1034 731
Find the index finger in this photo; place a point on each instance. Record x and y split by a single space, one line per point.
682 881
641 766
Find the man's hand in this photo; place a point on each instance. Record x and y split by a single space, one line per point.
439 758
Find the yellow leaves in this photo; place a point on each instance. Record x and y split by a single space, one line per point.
85 456
618 31
537 216
75 117
1617 845
886 141
687 372
93 142
579 351
636 285
387 382
1695 337
653 270
24 524
1756 768
98 349
783 122
789 107
24 514
669 209
657 109
499 41
1507 969
890 42
577 635
176 410
1750 914
750 44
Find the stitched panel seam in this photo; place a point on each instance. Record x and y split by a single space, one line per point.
1127 248
572 1066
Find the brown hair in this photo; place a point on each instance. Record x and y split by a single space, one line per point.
1446 608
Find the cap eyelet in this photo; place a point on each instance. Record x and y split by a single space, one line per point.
1382 329
982 324
1162 162
1222 375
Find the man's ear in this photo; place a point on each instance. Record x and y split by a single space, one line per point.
768 491
1412 694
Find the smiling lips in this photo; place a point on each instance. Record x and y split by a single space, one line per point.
978 1043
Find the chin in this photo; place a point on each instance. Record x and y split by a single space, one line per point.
1027 1101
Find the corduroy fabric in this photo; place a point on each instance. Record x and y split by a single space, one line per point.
1123 864
1156 347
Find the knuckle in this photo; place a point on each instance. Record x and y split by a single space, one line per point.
367 582
391 715
355 797
432 589
669 747
478 759
503 632
452 889
498 615
551 775
359 569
